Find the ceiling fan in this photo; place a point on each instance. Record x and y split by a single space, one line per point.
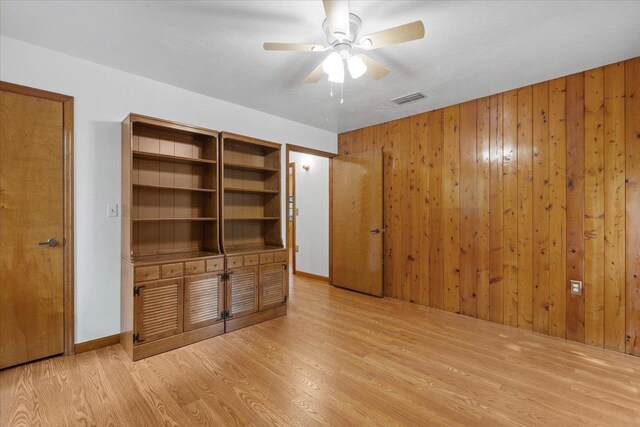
342 31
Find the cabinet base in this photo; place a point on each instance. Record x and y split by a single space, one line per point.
252 319
143 350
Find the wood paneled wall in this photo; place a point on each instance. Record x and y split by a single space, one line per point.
493 205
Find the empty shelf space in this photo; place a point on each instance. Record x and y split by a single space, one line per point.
249 190
173 219
169 158
254 218
169 187
242 166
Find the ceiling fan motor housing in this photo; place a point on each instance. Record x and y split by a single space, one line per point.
354 31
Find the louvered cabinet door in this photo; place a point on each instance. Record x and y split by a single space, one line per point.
242 291
203 300
273 285
158 309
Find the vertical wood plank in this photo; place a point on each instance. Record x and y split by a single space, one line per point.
525 208
575 203
510 170
420 209
632 195
594 207
436 220
468 208
390 235
482 209
451 204
541 208
496 211
402 143
558 207
614 209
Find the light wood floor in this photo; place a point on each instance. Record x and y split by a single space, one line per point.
338 358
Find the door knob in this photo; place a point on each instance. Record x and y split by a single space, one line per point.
51 243
375 231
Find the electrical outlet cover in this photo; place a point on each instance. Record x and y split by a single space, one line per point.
575 287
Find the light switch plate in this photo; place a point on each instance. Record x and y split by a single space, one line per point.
576 287
112 210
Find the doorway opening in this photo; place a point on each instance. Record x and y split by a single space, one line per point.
308 212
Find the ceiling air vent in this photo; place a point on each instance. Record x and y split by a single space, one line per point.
408 98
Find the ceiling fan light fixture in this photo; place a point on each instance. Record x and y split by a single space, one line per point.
356 66
333 63
366 44
337 76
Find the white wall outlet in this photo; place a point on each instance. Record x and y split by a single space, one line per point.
575 287
112 210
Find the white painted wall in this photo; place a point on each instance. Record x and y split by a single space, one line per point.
312 223
103 98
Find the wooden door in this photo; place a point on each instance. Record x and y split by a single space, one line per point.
203 300
273 283
357 223
159 309
31 228
242 291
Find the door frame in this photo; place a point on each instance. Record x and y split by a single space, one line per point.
291 176
330 156
68 202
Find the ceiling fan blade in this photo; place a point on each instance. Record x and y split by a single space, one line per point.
337 12
315 75
374 69
298 47
396 35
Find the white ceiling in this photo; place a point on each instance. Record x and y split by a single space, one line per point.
471 49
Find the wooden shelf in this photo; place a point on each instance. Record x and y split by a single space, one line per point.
171 257
168 158
169 187
173 219
249 190
253 168
254 218
236 249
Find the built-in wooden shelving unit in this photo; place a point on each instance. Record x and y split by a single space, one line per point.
179 283
251 211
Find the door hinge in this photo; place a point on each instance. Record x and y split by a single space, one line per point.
286 266
225 277
224 314
286 298
136 291
136 338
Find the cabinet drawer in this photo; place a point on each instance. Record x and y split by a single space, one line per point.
280 256
143 274
172 270
234 261
266 258
215 264
193 267
251 260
